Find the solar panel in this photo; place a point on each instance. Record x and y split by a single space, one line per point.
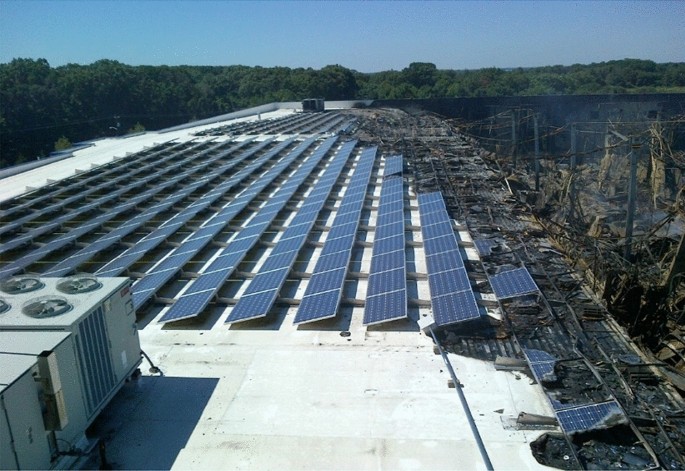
393 165
385 307
388 261
253 232
513 283
591 417
188 306
541 364
388 286
320 307
253 307
452 295
454 307
448 282
485 246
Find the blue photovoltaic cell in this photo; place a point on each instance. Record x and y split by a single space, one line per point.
513 283
318 306
267 281
393 228
393 165
485 246
326 281
389 244
385 307
455 307
253 307
341 244
388 261
188 306
541 364
442 244
444 262
452 296
591 417
393 280
332 261
448 282
288 245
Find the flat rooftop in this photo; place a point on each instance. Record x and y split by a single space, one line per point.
355 390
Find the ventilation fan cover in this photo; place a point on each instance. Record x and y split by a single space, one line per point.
46 306
4 306
21 284
79 284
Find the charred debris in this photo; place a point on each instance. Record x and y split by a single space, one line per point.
611 306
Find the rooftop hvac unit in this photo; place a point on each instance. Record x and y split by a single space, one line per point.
99 314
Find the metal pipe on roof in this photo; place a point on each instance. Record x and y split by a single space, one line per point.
465 405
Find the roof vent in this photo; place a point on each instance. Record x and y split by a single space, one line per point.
46 306
4 306
21 284
79 284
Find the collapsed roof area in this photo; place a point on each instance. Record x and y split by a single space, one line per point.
332 238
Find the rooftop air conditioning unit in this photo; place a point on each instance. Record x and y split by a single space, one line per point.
97 349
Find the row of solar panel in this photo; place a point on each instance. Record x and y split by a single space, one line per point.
265 126
324 290
99 220
102 200
202 290
263 290
211 227
103 187
452 296
386 294
77 184
103 242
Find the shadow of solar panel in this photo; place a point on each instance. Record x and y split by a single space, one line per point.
385 307
454 307
318 307
513 283
591 417
252 307
448 282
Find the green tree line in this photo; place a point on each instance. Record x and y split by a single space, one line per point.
40 104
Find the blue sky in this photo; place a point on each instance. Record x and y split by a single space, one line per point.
366 36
